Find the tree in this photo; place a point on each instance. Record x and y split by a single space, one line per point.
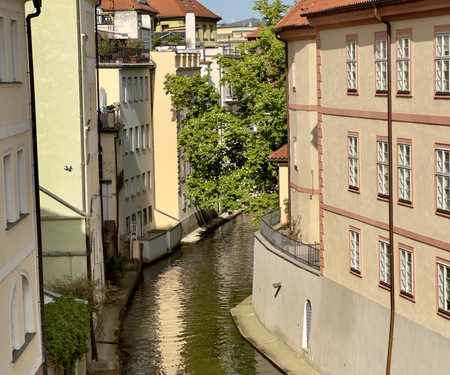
228 149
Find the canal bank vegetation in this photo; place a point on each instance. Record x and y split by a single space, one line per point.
227 148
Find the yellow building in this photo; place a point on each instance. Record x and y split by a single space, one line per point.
68 139
369 177
232 34
172 19
20 323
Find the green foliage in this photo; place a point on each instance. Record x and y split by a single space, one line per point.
272 12
114 266
228 159
67 332
105 46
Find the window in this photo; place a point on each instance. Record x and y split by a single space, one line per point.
146 88
443 287
138 184
15 51
353 162
293 74
127 189
352 75
149 180
22 182
406 272
295 154
135 89
182 169
150 214
136 138
147 133
385 261
443 180
9 189
133 187
383 168
129 87
3 72
355 251
144 181
128 224
443 63
141 88
404 173
144 213
142 136
381 64
183 201
403 64
131 139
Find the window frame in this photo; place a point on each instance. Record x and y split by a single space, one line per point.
380 59
358 253
353 162
386 265
402 248
441 310
352 61
384 165
407 143
442 210
441 30
294 142
401 59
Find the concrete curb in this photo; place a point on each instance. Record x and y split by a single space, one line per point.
266 343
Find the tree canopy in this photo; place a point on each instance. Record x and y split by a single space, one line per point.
228 148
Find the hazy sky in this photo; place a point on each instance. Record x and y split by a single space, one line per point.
231 10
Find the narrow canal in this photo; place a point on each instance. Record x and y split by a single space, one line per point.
179 321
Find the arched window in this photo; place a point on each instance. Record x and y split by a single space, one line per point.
306 325
21 316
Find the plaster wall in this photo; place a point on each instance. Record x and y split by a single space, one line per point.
349 333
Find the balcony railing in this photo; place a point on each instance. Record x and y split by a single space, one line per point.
306 253
126 55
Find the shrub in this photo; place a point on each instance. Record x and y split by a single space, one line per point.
67 332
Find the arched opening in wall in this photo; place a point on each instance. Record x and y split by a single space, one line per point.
306 325
14 320
27 306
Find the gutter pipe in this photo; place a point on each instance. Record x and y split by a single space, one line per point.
37 5
83 166
391 190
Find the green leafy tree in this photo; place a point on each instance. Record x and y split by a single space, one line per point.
67 332
228 149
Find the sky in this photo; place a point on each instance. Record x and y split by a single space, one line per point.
231 10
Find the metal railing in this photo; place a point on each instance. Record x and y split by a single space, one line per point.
306 253
126 55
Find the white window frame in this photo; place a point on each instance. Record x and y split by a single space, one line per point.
136 138
405 172
3 62
355 250
404 64
15 51
149 180
353 162
381 64
352 66
142 137
295 153
383 167
443 284
385 261
22 181
442 63
9 189
443 180
406 271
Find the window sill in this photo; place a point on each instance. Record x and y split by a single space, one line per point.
355 190
384 286
443 213
381 93
11 83
405 94
444 314
405 203
352 92
356 273
407 296
12 225
444 95
18 352
383 198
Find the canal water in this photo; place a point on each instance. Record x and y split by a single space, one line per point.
179 321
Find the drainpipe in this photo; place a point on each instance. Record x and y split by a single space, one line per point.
37 5
100 149
83 165
288 128
391 190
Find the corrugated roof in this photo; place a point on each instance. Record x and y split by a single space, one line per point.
294 17
127 5
280 155
179 8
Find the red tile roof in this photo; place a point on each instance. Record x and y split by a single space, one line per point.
320 6
294 16
280 155
179 8
254 34
127 5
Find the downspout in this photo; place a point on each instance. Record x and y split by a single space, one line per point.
100 149
37 5
288 128
391 190
83 166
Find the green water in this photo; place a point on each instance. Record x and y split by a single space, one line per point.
179 321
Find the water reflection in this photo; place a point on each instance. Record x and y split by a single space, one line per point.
179 321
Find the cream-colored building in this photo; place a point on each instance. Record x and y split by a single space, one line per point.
231 34
131 201
346 117
20 323
68 140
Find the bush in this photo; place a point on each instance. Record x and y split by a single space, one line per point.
67 332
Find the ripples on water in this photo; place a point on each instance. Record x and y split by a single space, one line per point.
179 321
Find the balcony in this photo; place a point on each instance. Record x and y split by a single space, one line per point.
109 118
125 55
305 253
